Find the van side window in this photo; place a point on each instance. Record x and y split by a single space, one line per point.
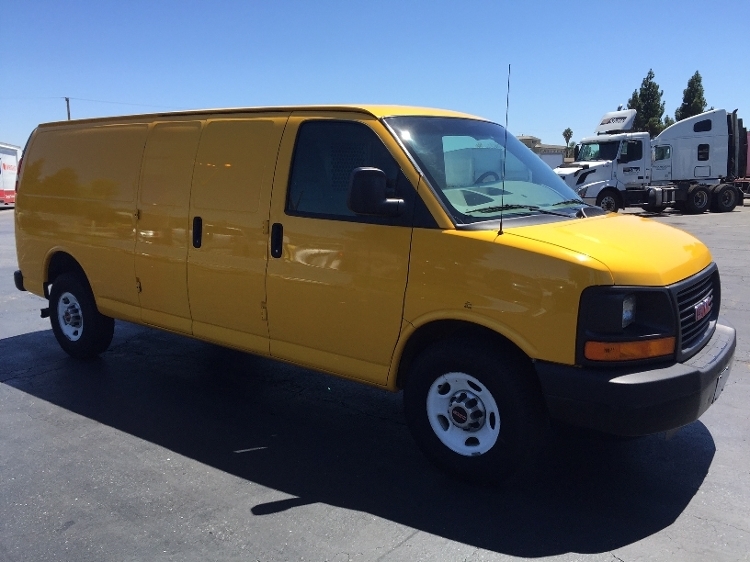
325 154
702 126
702 152
662 152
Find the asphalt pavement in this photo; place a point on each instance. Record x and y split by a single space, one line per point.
168 448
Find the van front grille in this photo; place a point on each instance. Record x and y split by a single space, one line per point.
692 302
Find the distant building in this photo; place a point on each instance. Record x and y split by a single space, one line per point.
552 154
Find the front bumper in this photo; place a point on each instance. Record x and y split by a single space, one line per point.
636 402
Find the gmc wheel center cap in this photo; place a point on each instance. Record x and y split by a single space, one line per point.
459 415
466 411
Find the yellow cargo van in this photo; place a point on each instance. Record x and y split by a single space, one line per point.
406 248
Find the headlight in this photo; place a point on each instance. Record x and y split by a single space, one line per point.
628 310
618 324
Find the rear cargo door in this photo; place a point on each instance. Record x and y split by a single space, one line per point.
162 233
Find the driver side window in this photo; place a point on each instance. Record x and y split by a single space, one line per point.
325 154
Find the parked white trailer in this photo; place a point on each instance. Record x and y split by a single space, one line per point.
9 157
691 165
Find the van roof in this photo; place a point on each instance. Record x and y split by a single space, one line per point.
377 111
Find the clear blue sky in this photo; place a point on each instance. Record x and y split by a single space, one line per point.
571 61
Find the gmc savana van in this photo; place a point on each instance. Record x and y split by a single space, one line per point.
406 248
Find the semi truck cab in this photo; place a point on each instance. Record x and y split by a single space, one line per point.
609 164
690 164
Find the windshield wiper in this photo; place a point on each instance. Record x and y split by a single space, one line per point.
569 202
496 208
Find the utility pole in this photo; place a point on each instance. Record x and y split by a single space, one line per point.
67 103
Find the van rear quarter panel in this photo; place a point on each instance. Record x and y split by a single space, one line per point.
77 195
528 291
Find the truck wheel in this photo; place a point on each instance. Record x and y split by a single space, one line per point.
724 198
80 329
698 199
609 200
475 412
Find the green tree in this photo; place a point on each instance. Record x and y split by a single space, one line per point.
567 135
693 100
648 105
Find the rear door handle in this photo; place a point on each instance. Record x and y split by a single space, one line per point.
197 232
277 239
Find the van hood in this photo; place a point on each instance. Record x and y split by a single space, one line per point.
636 251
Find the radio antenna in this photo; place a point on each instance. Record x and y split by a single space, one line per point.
505 152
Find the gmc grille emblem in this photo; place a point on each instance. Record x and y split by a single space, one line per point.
703 308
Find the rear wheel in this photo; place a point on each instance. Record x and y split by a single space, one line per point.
698 199
609 200
724 198
473 411
80 329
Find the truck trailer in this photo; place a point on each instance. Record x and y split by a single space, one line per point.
692 165
743 184
9 157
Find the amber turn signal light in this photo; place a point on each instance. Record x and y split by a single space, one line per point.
628 350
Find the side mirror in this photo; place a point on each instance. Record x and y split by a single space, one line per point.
576 151
368 194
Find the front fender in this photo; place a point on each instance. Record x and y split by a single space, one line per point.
592 190
465 317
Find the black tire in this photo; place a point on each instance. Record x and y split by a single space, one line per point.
724 198
80 329
609 200
698 199
474 410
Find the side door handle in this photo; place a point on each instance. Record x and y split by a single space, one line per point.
197 232
277 239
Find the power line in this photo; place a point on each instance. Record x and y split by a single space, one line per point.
125 103
26 98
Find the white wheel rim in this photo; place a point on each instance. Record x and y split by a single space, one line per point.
447 409
70 317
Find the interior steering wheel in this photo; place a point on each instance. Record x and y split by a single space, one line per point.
484 176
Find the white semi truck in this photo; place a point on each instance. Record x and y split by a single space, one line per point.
690 165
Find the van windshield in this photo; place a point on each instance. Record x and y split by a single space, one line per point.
476 175
591 151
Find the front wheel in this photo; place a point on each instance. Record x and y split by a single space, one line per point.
80 329
475 412
609 200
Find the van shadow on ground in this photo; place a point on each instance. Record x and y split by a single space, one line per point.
332 441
